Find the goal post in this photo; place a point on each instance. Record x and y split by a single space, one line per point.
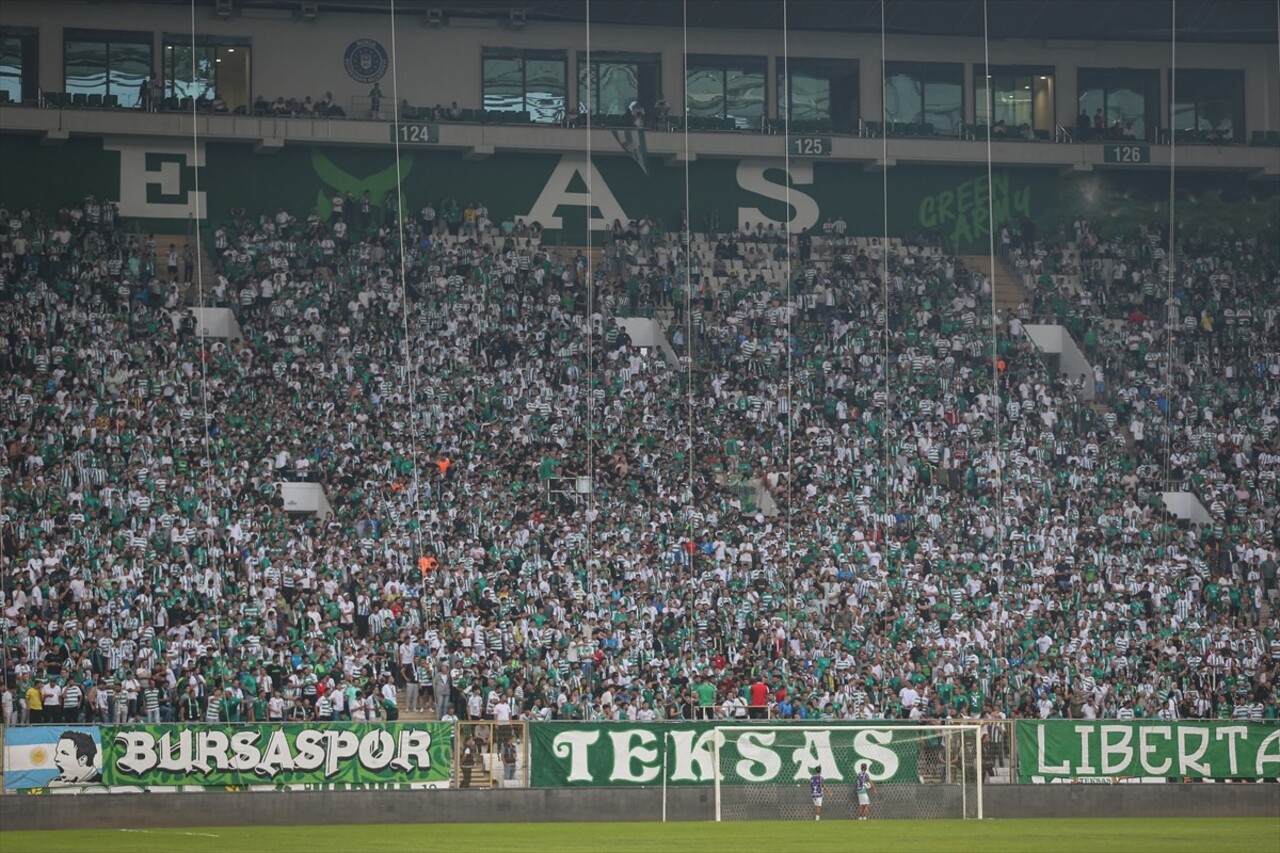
763 772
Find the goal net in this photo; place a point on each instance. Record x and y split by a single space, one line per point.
764 772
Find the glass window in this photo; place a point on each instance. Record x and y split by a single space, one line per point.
929 93
504 84
744 96
525 81
86 67
1208 105
612 89
706 92
618 81
18 47
189 75
106 63
822 92
727 87
1117 103
218 70
129 66
545 89
1017 99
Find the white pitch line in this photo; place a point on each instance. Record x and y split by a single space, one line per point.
172 832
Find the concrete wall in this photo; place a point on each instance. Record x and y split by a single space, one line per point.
1186 506
1151 801
116 811
645 332
1072 364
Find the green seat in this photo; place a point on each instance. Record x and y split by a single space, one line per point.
172 104
4 96
1273 137
95 101
111 101
79 99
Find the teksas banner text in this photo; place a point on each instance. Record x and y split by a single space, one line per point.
622 754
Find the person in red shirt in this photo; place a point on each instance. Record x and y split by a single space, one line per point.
758 700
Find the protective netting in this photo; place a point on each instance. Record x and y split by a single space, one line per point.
914 772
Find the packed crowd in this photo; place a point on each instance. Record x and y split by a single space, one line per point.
958 533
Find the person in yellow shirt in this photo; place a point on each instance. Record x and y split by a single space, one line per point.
35 702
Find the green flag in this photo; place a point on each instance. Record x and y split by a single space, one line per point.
632 142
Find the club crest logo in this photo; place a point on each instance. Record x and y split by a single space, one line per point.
365 60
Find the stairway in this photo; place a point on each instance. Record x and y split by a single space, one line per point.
1008 287
594 254
188 293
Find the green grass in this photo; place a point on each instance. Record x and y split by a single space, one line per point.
1080 835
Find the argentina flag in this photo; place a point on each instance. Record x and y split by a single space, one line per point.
51 757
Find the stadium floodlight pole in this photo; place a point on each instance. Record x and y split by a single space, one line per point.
409 368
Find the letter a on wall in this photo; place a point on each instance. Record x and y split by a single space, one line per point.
560 191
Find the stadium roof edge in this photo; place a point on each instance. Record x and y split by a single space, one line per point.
1205 21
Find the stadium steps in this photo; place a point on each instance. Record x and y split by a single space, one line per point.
187 292
594 254
1007 284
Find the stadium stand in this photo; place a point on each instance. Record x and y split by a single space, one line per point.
920 551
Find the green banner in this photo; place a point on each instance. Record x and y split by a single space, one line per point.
612 754
1051 750
155 182
292 754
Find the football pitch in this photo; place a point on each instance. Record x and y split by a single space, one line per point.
1238 835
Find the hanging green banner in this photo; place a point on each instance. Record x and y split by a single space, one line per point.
611 754
292 754
1050 750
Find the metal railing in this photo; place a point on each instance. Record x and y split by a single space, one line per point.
490 754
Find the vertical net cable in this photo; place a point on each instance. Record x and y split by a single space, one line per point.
879 518
688 286
1171 273
996 459
788 489
590 330
201 324
409 368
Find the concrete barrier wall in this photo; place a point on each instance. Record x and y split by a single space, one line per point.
126 811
